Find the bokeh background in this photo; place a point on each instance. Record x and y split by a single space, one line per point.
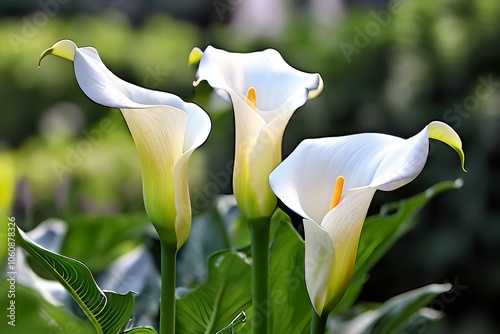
388 67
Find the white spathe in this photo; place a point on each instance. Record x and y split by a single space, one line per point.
279 91
166 130
368 162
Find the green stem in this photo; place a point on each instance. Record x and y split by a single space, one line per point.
261 305
167 298
318 324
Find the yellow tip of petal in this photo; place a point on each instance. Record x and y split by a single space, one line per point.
252 98
337 192
315 92
195 56
65 49
445 133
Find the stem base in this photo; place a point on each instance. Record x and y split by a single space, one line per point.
318 324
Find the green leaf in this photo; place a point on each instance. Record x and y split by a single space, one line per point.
419 320
34 314
395 313
381 231
214 304
217 303
219 227
109 312
290 302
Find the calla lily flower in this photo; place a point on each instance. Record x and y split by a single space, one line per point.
165 129
351 168
265 92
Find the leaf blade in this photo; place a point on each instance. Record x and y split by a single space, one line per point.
108 311
381 231
291 305
215 303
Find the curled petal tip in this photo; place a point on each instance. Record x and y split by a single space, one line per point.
443 132
315 92
194 56
65 49
43 55
447 286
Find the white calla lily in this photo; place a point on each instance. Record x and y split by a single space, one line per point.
265 92
165 129
367 162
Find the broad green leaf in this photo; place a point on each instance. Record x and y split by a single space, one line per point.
109 312
215 301
394 314
419 321
291 305
396 311
381 231
135 271
219 227
33 314
208 235
214 304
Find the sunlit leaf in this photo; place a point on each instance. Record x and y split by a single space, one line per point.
397 311
34 314
380 232
135 271
217 300
109 312
220 226
214 304
394 314
291 306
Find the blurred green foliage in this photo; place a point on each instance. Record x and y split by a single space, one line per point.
385 70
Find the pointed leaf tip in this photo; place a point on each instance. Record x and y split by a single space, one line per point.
445 133
65 49
195 56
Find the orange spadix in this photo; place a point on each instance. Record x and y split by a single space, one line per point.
252 98
337 192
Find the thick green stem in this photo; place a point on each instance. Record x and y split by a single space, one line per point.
167 301
318 324
261 304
